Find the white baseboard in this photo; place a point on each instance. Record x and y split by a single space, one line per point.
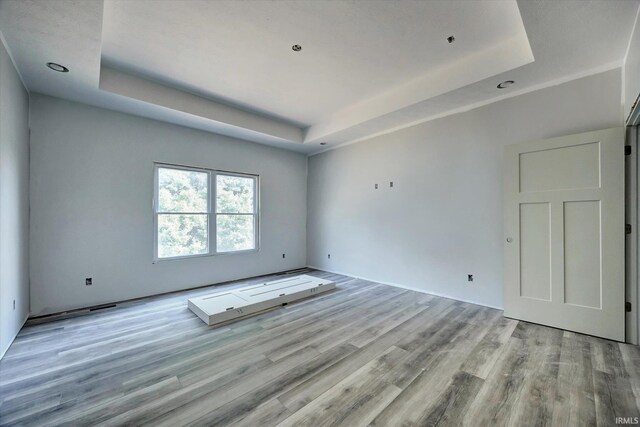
14 337
397 285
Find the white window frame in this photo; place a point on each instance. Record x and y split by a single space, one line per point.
212 211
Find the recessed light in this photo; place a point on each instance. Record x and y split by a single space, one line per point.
451 39
505 84
57 67
323 143
296 48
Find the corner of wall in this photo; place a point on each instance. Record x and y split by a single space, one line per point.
13 61
14 186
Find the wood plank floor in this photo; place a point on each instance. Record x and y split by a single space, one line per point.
365 354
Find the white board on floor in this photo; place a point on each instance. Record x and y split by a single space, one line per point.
225 306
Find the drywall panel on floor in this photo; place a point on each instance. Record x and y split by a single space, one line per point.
91 201
14 201
442 219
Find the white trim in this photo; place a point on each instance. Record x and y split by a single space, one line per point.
410 288
631 240
14 337
597 70
637 301
13 61
233 304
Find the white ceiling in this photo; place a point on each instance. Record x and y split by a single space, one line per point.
352 50
365 66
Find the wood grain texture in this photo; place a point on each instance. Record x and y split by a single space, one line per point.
364 354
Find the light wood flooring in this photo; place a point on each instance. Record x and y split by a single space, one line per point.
365 354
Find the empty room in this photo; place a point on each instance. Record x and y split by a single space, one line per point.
319 213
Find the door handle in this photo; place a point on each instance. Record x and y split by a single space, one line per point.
509 240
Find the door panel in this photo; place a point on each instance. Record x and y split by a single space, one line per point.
535 263
570 167
564 232
582 280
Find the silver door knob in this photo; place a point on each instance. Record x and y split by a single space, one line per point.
509 240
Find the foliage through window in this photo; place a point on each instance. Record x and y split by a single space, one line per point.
194 204
235 213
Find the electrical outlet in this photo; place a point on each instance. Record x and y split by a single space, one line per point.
88 281
376 186
328 256
391 184
469 277
14 304
283 256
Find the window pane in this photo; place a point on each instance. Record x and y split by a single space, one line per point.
235 233
234 194
182 190
180 235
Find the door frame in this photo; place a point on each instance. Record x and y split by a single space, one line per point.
632 240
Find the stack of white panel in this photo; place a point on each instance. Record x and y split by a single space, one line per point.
225 306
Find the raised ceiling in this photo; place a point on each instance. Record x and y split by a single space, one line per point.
365 66
241 51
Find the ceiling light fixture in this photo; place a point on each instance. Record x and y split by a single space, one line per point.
505 84
57 67
296 48
451 39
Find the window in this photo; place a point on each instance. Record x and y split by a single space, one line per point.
193 204
235 213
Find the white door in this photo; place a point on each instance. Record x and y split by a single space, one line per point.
564 232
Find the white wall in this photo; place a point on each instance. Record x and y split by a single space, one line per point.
632 70
14 201
443 218
91 215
